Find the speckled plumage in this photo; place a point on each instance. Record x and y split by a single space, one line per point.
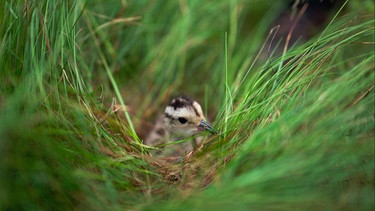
183 118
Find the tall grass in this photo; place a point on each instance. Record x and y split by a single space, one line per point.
297 128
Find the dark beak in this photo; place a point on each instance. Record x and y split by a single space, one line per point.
205 126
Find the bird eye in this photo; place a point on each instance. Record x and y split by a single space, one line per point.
182 120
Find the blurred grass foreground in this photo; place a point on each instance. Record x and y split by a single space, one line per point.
295 105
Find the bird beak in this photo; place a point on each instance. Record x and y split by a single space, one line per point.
205 126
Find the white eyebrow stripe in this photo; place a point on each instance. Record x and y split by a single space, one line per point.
179 112
198 109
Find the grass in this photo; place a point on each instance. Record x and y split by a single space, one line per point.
298 127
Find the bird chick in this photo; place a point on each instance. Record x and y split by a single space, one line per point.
183 118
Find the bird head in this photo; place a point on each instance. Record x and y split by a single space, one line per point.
184 117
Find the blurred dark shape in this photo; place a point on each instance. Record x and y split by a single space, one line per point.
309 17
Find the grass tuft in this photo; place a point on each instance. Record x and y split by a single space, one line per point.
82 83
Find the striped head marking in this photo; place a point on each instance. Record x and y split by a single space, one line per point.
184 116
